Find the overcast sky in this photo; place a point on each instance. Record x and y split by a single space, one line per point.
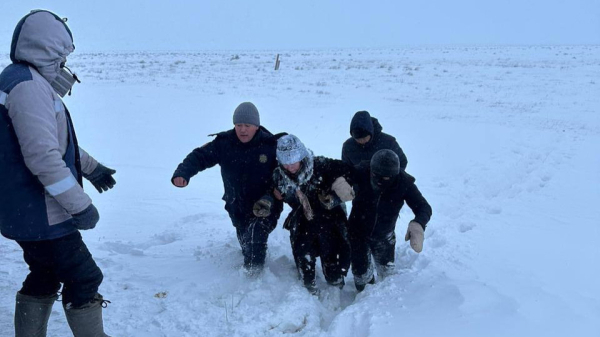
303 24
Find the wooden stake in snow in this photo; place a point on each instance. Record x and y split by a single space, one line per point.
277 62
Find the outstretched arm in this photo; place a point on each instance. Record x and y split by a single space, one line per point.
198 160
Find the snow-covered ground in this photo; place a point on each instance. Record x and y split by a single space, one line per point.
504 143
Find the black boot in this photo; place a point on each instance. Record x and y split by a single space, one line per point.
32 314
255 255
361 287
253 271
312 288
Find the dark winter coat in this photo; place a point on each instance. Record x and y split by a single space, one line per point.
325 172
374 214
246 168
326 234
359 156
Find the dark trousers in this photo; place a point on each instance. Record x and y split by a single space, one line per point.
381 246
253 234
64 260
329 243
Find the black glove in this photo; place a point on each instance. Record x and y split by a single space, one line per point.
86 219
329 201
102 178
262 208
363 166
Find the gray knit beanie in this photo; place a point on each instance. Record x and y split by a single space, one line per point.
385 163
290 150
246 113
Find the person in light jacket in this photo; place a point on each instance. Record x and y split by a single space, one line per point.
42 202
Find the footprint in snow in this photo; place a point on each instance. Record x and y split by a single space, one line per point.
137 249
465 227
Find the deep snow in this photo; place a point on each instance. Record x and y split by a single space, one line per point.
503 142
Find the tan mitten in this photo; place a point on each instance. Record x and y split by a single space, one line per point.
416 235
342 189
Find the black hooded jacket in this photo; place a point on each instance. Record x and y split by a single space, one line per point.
246 168
374 214
359 156
325 172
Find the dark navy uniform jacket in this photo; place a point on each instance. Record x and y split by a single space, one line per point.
246 168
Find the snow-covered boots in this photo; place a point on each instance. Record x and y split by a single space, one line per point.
86 321
361 286
32 314
253 234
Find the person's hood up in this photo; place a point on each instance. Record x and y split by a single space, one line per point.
43 40
363 120
377 128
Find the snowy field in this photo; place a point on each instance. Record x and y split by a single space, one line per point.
504 143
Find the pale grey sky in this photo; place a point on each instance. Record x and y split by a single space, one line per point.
279 24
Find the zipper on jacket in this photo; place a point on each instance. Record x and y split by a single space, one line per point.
376 215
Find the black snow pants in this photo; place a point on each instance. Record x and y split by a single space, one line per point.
325 238
64 260
253 234
364 245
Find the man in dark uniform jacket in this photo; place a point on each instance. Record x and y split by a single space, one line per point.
246 155
380 195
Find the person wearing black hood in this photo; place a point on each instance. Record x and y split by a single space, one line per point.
380 195
367 138
246 155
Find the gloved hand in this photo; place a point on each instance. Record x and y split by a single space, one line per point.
363 166
262 208
86 219
102 178
329 201
343 190
415 234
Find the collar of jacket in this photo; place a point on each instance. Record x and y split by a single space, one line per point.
261 135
